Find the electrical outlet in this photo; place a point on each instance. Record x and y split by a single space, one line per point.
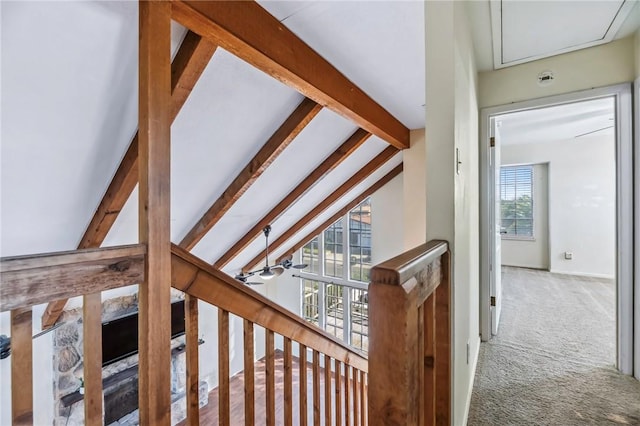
568 255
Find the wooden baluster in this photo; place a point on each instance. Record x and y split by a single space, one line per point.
356 412
338 376
316 388
249 375
270 367
428 319
442 344
363 398
193 375
327 390
21 367
224 415
303 385
288 383
92 358
347 398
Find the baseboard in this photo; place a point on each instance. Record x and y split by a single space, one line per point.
584 274
474 365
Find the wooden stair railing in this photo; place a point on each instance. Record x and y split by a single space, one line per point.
344 371
409 338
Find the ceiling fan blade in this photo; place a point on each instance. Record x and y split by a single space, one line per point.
277 270
252 283
300 266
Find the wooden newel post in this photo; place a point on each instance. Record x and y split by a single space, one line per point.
409 338
393 354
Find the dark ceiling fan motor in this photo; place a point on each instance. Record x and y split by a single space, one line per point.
268 272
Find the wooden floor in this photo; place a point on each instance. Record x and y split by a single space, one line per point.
209 413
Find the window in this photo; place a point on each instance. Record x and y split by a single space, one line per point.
516 201
334 294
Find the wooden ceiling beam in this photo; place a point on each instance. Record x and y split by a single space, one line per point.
331 162
190 61
277 143
351 182
340 213
248 31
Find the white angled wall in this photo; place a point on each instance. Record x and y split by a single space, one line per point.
582 201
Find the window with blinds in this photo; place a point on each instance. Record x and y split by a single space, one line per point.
516 201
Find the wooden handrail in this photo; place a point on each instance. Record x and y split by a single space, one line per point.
409 347
41 278
199 279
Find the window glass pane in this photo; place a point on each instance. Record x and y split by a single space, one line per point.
360 319
516 201
333 250
310 301
310 255
360 242
335 309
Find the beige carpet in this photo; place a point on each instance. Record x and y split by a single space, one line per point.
552 362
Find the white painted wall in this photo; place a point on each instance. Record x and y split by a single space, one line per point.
414 191
387 219
532 253
597 66
582 202
637 52
452 204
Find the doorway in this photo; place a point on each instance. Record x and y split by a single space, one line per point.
619 97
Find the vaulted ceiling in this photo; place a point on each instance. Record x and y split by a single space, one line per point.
69 103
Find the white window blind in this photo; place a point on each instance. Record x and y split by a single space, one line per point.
516 201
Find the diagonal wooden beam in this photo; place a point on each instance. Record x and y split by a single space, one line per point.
187 66
252 34
340 213
330 163
354 180
277 143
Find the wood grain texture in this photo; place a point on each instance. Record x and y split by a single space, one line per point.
443 344
338 193
316 388
327 390
429 376
356 400
363 398
276 144
347 395
192 360
344 210
397 344
154 152
303 384
223 368
31 280
249 374
252 34
21 367
288 383
270 372
209 284
338 390
331 162
189 62
92 358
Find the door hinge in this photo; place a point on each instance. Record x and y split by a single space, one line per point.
492 141
493 301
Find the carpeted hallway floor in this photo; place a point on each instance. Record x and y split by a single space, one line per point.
552 362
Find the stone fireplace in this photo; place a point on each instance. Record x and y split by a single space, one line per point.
120 379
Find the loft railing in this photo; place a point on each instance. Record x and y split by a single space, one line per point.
405 381
409 338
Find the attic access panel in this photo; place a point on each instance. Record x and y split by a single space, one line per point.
525 31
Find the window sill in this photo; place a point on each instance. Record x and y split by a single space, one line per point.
518 238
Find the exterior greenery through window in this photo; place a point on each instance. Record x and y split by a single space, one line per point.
335 298
516 201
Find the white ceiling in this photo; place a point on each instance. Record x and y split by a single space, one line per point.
558 123
510 32
69 111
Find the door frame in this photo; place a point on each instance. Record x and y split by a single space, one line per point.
624 209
